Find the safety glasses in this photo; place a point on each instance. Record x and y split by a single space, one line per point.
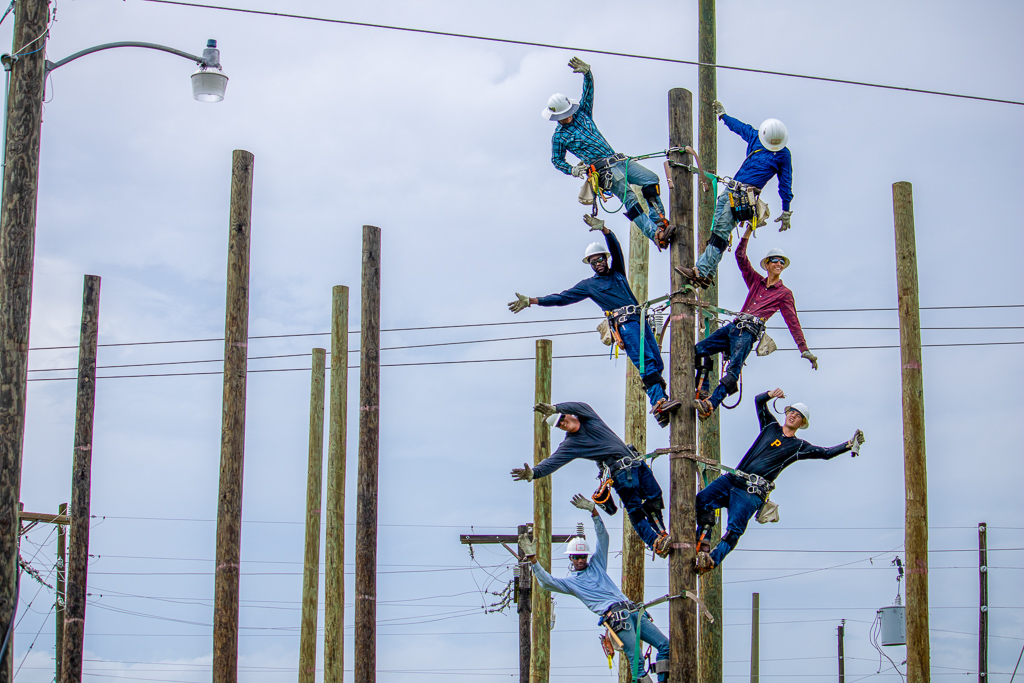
777 259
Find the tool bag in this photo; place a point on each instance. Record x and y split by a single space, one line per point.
769 512
603 497
587 195
606 333
766 346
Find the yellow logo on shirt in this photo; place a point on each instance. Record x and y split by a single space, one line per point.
776 443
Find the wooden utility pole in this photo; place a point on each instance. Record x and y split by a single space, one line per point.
523 606
540 650
58 612
311 560
710 650
683 431
17 243
232 440
81 475
636 433
841 631
755 640
334 579
369 448
982 603
914 461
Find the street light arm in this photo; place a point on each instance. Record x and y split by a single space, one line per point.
50 66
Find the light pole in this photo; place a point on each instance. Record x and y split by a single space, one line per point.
26 69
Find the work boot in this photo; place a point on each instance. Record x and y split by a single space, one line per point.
702 545
663 237
704 408
666 405
703 563
703 394
694 276
663 419
662 545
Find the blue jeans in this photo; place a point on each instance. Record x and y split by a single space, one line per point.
722 493
708 262
649 633
635 174
737 344
641 496
653 364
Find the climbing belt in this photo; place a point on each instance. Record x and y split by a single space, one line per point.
754 481
603 196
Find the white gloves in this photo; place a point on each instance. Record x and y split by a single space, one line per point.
583 503
545 409
579 66
855 442
784 219
527 545
521 303
811 357
524 474
579 170
719 109
594 222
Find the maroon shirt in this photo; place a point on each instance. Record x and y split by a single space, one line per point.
763 300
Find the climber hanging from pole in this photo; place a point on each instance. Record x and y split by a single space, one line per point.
576 132
765 296
609 289
767 156
588 437
590 583
745 490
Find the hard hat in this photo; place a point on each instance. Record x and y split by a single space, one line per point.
553 420
774 251
773 134
559 107
594 249
803 410
577 545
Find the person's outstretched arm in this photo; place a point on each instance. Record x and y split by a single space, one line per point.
744 130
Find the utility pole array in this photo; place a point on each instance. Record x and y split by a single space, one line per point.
983 603
311 559
755 637
540 650
841 633
61 590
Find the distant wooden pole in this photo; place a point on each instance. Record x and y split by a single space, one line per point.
523 608
369 433
311 561
683 430
636 433
841 631
81 476
914 460
62 570
540 651
983 603
710 648
17 244
334 579
755 645
232 441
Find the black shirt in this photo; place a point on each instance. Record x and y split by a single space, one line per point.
594 440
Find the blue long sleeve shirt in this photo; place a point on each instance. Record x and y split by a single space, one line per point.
581 136
609 291
760 165
592 586
594 440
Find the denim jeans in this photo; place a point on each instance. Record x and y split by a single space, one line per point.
635 486
737 344
722 493
649 633
653 364
708 262
635 174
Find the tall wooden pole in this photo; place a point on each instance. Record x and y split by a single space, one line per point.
334 579
81 475
17 244
523 607
983 603
62 569
683 431
710 649
914 462
755 638
636 433
311 560
232 440
540 650
841 633
369 433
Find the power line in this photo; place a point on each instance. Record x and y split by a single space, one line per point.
526 43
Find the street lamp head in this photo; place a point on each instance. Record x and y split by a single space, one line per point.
209 81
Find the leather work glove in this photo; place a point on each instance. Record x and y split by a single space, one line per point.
811 357
784 219
579 170
594 222
583 503
579 66
545 409
527 545
521 303
524 474
855 442
719 109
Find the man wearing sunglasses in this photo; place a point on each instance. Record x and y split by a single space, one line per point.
609 289
765 296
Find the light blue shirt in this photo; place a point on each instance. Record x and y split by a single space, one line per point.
592 586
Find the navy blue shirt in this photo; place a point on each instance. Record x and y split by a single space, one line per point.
760 165
609 291
773 451
594 440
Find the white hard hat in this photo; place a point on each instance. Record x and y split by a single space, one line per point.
552 420
559 107
773 134
594 249
577 545
803 410
774 251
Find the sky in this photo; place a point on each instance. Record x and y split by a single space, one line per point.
437 141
